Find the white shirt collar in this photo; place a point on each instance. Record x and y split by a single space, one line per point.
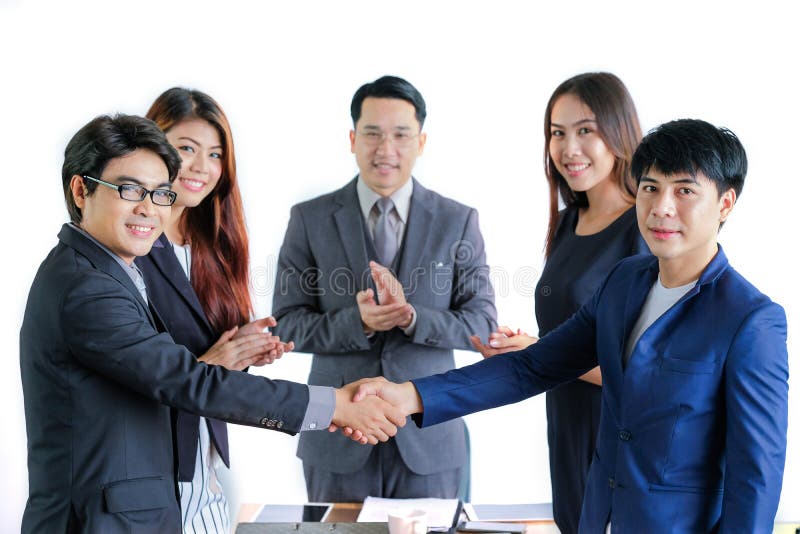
401 198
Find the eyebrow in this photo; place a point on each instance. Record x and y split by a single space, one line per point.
378 128
582 121
136 181
690 180
195 142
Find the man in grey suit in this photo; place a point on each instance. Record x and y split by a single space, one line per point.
337 296
99 372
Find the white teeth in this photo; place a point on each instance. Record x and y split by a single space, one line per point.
137 228
577 166
192 183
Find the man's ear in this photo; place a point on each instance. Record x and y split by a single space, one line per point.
423 137
726 203
78 189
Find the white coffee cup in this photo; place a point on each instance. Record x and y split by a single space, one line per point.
408 521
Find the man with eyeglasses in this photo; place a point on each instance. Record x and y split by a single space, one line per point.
384 277
100 373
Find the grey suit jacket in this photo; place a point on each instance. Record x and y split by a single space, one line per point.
323 263
98 378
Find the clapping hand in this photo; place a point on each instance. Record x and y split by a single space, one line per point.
258 326
237 352
391 308
503 340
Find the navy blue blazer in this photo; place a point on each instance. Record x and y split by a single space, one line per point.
692 434
99 377
170 291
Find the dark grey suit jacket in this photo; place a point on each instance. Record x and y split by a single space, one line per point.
323 263
98 376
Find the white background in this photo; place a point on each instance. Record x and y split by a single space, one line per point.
285 72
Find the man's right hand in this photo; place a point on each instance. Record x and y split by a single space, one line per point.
381 317
374 419
239 352
403 397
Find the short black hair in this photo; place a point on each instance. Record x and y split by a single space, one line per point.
691 146
105 138
389 87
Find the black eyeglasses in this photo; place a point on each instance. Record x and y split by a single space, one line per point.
136 193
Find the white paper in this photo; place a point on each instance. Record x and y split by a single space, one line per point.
440 511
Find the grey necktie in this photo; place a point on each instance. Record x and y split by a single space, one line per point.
385 238
138 281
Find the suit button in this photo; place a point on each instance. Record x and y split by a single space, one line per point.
625 435
612 483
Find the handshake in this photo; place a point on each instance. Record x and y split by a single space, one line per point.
371 409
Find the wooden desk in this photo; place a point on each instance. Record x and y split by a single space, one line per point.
348 512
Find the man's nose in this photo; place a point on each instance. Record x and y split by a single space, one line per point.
146 206
663 205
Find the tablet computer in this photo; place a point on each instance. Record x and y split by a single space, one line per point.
293 513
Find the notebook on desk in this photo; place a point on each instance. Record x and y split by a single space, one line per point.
509 512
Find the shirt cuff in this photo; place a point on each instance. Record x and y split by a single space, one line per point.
409 330
321 404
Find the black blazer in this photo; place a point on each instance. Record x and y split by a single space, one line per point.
172 295
98 379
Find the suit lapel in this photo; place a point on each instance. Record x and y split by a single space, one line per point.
636 295
349 225
164 259
418 229
613 376
713 270
102 261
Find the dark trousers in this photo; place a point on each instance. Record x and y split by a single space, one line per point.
384 475
573 415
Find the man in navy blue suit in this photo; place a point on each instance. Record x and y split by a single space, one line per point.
692 434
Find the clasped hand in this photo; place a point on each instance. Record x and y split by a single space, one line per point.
385 404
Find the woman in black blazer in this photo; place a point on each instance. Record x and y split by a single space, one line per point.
197 278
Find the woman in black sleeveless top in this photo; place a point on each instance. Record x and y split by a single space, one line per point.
591 132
